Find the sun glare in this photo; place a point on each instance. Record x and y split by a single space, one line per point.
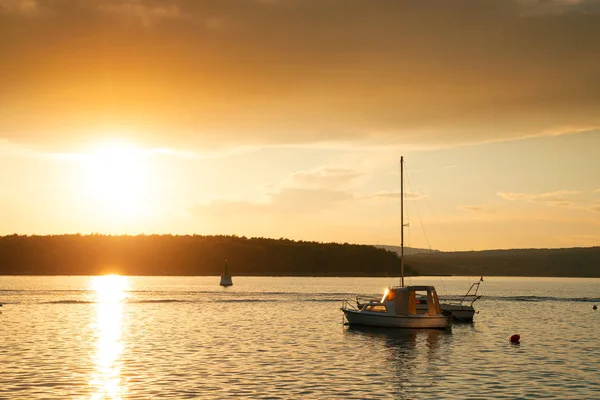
109 288
117 179
106 378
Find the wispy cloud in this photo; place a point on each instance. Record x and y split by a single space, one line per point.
301 192
556 198
148 13
395 195
288 201
514 196
326 177
477 208
595 208
561 198
134 152
22 7
556 7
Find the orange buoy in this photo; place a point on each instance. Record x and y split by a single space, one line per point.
515 339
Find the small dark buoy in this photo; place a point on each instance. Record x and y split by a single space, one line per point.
595 307
515 339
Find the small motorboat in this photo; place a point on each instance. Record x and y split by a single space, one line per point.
397 309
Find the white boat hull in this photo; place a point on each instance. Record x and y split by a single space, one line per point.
459 313
226 281
395 321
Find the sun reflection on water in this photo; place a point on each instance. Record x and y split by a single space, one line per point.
110 291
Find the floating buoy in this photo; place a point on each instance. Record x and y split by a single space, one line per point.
595 307
515 339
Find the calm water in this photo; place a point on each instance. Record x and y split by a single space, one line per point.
180 337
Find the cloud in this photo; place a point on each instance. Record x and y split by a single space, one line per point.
514 196
395 195
16 150
287 201
557 7
149 13
477 208
307 200
322 177
302 192
20 7
242 72
556 198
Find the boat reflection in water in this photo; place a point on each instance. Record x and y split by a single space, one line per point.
110 292
400 341
413 355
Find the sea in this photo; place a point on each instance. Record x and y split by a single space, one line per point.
131 337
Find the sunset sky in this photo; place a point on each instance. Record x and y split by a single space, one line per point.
287 118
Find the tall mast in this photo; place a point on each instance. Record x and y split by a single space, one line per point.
402 221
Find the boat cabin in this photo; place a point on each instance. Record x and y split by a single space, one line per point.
403 301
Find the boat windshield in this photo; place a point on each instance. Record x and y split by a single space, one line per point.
376 308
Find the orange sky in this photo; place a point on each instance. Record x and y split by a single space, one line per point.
321 86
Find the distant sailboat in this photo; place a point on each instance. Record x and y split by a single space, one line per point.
225 278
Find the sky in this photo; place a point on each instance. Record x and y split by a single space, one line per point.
288 118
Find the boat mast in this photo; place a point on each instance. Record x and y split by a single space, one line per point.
402 221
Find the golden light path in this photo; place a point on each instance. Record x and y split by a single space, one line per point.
110 291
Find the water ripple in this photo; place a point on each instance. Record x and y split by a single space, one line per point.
186 342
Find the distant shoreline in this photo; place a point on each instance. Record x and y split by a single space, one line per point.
314 276
198 255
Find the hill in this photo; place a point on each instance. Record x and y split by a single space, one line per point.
189 255
407 250
205 255
568 262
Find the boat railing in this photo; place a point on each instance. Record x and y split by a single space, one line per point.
358 302
348 304
473 297
362 299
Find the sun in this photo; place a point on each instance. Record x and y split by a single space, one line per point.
117 179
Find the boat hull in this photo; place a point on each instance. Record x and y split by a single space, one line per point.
459 313
395 321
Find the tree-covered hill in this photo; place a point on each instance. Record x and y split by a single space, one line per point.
574 262
206 255
189 255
